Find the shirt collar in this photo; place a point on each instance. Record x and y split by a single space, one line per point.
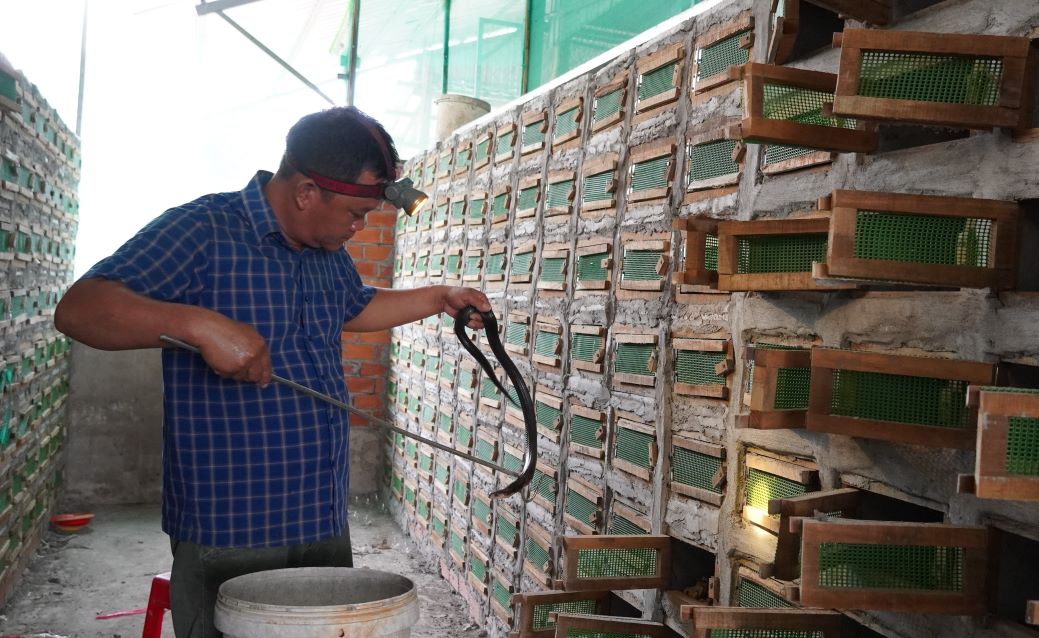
257 209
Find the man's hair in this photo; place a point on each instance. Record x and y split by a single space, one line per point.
339 143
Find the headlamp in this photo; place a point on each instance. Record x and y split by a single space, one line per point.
403 194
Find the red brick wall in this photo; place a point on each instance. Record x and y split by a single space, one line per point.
366 356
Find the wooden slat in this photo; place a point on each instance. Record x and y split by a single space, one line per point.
991 479
573 544
705 619
786 565
585 623
528 601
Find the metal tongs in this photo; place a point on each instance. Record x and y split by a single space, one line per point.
524 476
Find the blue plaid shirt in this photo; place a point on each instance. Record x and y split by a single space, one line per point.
245 466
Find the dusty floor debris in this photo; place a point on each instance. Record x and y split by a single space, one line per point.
109 566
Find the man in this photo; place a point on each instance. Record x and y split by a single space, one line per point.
255 474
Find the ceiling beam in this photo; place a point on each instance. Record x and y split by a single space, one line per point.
219 5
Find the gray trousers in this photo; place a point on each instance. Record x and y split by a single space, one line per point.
198 572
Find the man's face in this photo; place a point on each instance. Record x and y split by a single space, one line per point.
330 219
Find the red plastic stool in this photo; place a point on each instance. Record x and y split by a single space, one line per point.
158 603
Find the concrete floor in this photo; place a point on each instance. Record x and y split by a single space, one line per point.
108 568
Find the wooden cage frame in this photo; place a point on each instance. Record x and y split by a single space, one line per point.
650 289
531 181
555 251
803 472
553 399
529 118
813 621
666 54
527 602
596 365
1012 110
459 561
594 246
522 249
496 281
445 435
826 360
724 368
551 362
463 157
787 562
755 126
543 575
592 493
520 318
512 549
573 545
481 587
596 165
573 138
445 162
625 420
602 416
995 408
744 22
693 272
503 217
448 253
629 335
646 152
719 479
503 130
761 396
553 473
712 131
612 625
560 177
473 252
476 206
1003 250
618 82
628 513
974 540
486 136
504 614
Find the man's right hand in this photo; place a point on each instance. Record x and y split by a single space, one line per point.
234 349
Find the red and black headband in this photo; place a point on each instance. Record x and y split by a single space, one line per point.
374 191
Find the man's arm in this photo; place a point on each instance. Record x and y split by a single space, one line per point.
394 307
105 314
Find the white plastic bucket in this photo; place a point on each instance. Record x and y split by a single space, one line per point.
454 111
317 602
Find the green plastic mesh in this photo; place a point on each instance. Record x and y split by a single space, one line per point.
532 133
488 390
590 267
753 595
584 347
620 526
522 263
472 265
597 633
444 422
566 122
409 494
595 187
558 195
460 491
697 368
780 253
928 239
792 386
528 198
711 159
695 469
428 412
544 486
765 633
425 462
443 163
710 254
536 554
462 161
477 567
432 362
546 343
503 144
418 358
867 566
649 174
496 264
581 508
546 415
476 209
447 370
763 487
720 55
616 563
634 447
505 530
780 153
951 79
484 449
542 611
584 431
511 462
553 269
803 106
641 265
501 594
422 509
634 358
607 104
453 263
900 399
457 544
1022 456
463 435
657 81
482 149
439 526
516 333
498 205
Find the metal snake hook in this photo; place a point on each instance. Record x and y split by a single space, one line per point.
525 403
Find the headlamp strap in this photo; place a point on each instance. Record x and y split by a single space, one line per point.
374 191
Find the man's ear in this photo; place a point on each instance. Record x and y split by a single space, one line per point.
307 193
